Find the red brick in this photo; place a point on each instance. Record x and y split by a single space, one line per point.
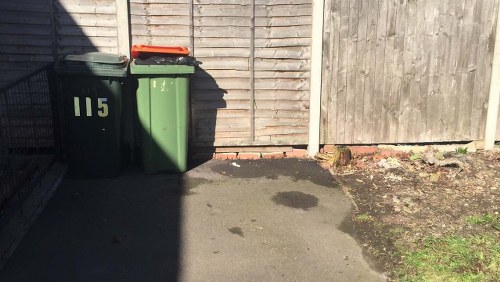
248 156
203 156
329 148
363 150
275 155
297 153
225 156
385 153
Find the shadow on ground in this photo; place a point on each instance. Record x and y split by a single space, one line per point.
121 229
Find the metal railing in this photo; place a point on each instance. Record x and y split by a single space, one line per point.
29 129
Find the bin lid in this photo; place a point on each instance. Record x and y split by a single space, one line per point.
161 69
93 63
173 50
96 57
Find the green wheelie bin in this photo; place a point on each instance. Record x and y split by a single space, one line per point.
163 107
92 89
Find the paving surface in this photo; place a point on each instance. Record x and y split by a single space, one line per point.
266 220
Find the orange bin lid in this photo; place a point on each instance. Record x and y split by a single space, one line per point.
175 50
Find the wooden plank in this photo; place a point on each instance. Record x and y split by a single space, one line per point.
483 73
218 10
22 17
282 74
432 16
351 70
282 42
87 41
388 68
26 58
368 132
341 75
282 65
23 6
160 1
303 31
462 91
221 83
221 104
88 8
159 20
98 20
25 29
222 2
281 84
161 40
265 113
222 42
283 21
221 52
221 21
155 9
282 2
407 73
282 105
379 70
62 50
284 53
201 73
418 86
220 94
91 31
220 113
283 10
161 30
281 95
360 72
399 46
283 130
222 32
214 63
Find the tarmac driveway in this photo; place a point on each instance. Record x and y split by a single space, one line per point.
266 220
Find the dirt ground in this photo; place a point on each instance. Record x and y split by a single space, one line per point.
400 200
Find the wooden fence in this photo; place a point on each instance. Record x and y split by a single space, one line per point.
254 82
394 71
406 71
34 32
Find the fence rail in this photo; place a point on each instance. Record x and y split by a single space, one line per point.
28 136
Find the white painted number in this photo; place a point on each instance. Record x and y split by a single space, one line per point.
76 102
102 106
88 105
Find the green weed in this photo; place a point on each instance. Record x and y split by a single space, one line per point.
453 258
363 217
485 219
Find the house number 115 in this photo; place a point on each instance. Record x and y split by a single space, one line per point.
102 107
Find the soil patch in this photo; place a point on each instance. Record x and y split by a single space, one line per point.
399 205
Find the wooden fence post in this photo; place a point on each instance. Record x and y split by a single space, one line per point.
122 23
494 97
316 73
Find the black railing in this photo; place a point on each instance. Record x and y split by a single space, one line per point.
29 131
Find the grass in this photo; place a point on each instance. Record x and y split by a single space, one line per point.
485 219
453 258
461 150
363 217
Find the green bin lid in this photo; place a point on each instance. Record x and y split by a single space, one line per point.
93 63
160 69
